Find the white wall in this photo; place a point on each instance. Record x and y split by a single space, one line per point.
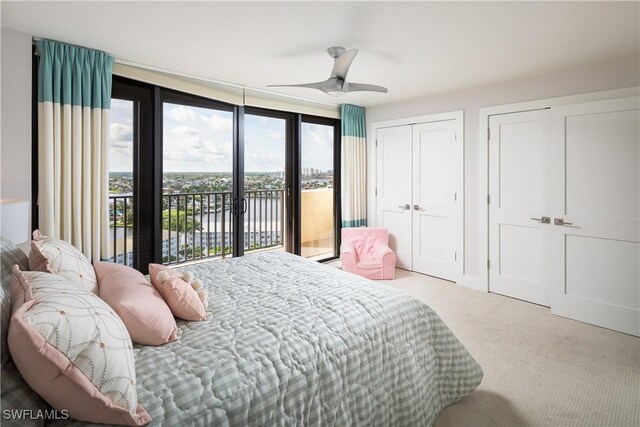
584 79
15 116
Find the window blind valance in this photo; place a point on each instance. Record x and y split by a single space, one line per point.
228 93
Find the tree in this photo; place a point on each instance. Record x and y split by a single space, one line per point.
177 221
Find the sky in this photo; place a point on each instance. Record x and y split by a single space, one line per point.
200 140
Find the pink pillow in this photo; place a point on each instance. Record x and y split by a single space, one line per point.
141 308
73 350
184 301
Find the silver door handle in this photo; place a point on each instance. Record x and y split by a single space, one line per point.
560 221
543 219
417 208
405 207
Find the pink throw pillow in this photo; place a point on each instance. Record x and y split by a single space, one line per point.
183 300
142 309
73 350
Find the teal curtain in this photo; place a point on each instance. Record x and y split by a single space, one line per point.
74 98
354 166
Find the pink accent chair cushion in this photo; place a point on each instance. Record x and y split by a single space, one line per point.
365 251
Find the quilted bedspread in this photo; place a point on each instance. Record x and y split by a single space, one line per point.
292 342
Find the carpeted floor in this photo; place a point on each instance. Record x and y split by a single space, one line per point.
539 369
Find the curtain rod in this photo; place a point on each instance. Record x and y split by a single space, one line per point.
202 78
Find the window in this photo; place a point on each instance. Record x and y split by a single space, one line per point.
121 209
265 181
318 219
193 178
197 182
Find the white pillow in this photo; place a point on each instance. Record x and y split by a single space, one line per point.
59 257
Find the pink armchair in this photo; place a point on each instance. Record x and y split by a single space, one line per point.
365 251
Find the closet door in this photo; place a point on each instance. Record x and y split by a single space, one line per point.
519 158
595 258
394 190
435 173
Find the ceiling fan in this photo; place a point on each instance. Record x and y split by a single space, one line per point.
337 83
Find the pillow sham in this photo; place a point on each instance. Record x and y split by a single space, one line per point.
142 309
183 300
59 257
10 255
73 350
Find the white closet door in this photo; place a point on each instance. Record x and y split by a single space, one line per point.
435 172
595 262
518 189
394 190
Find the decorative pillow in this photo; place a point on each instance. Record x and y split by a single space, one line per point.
179 292
18 398
73 350
142 309
10 255
62 258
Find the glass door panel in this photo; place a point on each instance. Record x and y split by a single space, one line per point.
264 182
197 183
121 185
316 188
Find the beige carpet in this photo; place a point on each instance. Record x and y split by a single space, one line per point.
539 369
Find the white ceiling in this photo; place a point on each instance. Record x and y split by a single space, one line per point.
413 48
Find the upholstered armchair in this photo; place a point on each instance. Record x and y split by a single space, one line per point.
365 251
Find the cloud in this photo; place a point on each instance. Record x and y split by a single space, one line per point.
120 135
180 113
218 122
214 120
275 136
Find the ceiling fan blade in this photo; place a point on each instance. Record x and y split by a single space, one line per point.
330 85
342 64
316 85
363 87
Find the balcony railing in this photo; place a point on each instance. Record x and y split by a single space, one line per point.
200 225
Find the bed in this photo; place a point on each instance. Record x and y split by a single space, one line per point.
292 342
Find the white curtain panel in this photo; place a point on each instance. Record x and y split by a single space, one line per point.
353 166
74 97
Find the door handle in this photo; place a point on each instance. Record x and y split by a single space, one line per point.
405 207
417 208
543 219
560 221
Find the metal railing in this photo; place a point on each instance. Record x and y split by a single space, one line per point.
200 225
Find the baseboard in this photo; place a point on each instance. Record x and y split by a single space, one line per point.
473 282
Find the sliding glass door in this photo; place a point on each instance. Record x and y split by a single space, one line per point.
197 179
193 178
265 182
121 183
319 213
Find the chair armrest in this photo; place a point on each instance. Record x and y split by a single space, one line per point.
382 250
348 250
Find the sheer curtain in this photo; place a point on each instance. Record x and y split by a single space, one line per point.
74 97
354 166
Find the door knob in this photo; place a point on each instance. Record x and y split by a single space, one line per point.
560 221
405 207
417 208
543 219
